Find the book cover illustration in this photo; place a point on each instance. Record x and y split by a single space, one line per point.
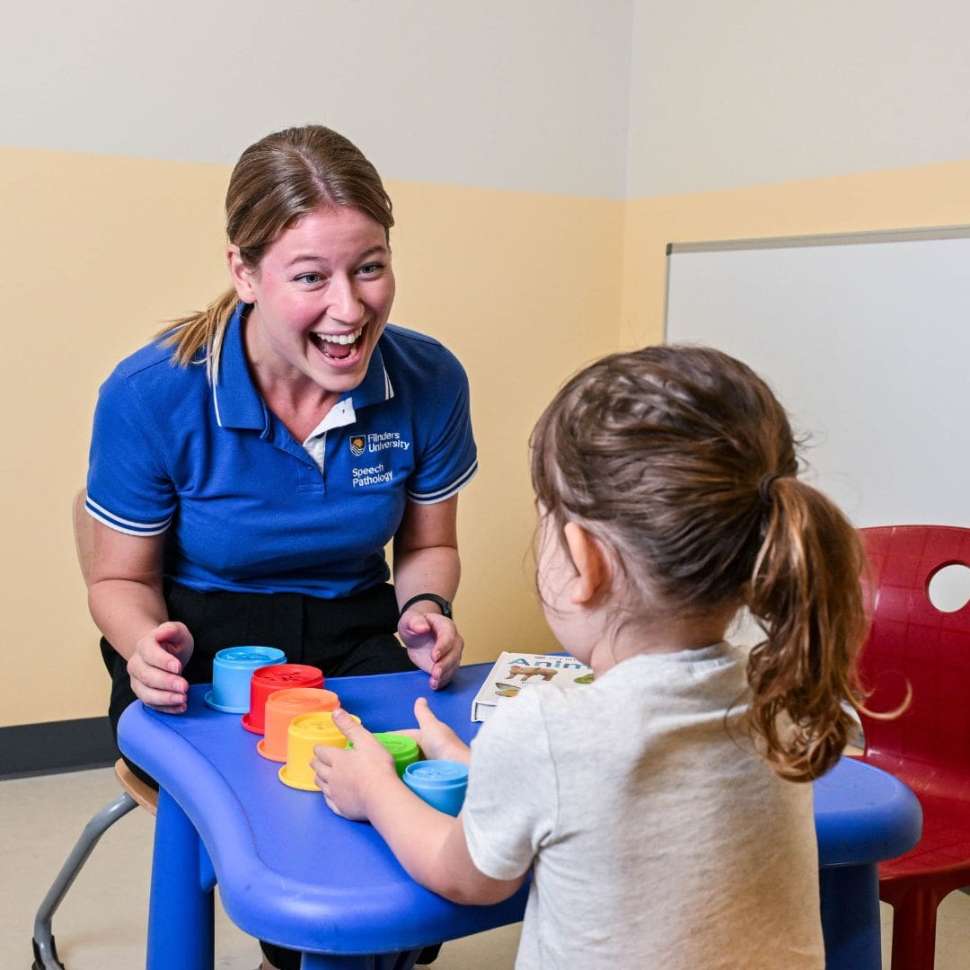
514 672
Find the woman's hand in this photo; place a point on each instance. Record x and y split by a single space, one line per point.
433 643
436 740
351 777
154 668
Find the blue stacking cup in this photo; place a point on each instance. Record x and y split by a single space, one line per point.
232 670
441 784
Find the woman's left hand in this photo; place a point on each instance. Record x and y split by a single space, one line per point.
433 644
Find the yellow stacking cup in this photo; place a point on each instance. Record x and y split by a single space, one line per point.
305 733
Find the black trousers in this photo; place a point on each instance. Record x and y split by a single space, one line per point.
345 637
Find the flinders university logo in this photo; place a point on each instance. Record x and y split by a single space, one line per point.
381 441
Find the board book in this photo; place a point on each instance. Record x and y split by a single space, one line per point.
514 672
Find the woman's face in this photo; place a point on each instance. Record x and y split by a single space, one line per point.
321 297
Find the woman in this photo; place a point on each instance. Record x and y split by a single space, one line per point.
248 467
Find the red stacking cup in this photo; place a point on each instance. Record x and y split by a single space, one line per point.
264 683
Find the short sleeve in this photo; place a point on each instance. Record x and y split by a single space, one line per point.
511 806
448 458
128 488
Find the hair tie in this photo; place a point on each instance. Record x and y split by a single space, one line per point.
764 486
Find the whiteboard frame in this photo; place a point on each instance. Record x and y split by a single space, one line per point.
795 242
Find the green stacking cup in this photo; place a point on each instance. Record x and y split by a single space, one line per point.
403 749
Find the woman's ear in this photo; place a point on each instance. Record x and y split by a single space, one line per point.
590 562
241 274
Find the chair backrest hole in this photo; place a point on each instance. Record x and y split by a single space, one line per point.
949 588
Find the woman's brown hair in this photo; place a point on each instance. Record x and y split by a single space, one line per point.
276 181
682 460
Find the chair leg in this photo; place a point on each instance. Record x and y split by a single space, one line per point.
45 950
914 930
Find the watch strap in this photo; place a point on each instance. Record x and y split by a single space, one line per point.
442 603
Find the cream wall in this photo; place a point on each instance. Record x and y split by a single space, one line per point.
742 93
506 94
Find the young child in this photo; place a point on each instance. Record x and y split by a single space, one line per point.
664 811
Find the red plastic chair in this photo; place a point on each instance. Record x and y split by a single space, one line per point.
928 746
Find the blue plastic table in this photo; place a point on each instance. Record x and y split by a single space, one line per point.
293 873
862 816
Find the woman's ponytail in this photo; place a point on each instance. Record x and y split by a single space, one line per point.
805 591
203 330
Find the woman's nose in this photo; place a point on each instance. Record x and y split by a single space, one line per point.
346 305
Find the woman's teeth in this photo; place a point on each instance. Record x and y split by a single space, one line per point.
343 339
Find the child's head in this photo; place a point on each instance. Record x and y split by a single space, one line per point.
682 463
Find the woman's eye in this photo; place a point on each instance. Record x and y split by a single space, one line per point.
370 269
309 278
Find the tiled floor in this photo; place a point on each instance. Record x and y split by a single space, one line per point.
101 925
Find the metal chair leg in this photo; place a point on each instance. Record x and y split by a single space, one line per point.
45 951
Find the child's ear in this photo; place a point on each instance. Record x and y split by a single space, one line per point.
590 562
241 274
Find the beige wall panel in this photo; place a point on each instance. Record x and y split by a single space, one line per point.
524 288
926 196
97 253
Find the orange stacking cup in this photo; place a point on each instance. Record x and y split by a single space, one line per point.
305 733
284 705
284 677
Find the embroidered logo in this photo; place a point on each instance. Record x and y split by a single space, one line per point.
357 445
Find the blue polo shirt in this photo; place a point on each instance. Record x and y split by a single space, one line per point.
245 506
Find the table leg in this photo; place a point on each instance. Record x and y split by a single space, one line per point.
180 932
382 961
850 917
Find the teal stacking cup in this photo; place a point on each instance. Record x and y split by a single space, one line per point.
441 784
232 670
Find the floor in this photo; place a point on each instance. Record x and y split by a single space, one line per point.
101 925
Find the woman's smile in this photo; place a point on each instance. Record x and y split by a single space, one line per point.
340 350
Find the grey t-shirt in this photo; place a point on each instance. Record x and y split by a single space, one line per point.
660 839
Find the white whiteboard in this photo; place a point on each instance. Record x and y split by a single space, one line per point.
866 341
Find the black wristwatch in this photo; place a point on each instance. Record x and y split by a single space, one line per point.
443 604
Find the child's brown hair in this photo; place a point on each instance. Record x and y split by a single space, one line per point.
682 460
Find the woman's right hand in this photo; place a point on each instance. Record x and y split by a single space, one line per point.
156 664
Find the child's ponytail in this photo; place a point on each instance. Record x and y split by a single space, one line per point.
805 591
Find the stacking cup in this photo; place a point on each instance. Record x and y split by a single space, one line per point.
284 705
232 669
267 680
441 784
306 732
402 748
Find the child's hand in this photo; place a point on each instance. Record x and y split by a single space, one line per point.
433 644
350 777
434 737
